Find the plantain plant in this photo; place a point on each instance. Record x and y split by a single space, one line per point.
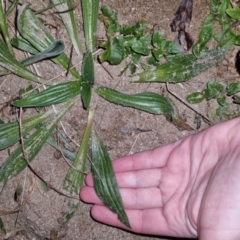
160 61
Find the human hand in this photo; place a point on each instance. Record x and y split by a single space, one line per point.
190 188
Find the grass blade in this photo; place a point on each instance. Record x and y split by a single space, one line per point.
105 183
15 163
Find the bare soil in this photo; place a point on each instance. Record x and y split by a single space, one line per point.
41 216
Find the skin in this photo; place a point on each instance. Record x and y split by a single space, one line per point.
190 188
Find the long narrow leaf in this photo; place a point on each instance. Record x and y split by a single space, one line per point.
24 45
75 176
4 28
8 62
105 183
88 78
10 132
90 15
204 37
147 101
66 12
15 163
55 94
183 68
56 48
33 30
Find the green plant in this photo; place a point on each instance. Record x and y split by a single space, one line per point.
160 61
223 95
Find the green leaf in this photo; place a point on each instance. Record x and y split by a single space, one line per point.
110 21
88 76
222 102
213 90
147 101
8 62
69 22
233 13
114 53
142 46
237 40
195 97
53 95
228 40
56 48
4 28
15 163
215 85
233 88
90 15
157 39
105 183
88 79
33 30
10 132
24 45
75 176
203 38
183 67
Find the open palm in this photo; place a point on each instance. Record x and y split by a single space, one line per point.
190 188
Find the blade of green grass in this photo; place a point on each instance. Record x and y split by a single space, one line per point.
15 163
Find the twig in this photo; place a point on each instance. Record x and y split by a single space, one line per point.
190 107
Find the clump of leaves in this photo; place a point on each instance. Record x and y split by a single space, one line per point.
223 94
133 41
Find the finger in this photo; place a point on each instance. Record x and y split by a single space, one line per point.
134 179
155 158
150 221
140 198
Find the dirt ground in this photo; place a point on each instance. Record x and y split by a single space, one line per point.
42 215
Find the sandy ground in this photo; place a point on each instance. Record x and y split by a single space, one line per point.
42 215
